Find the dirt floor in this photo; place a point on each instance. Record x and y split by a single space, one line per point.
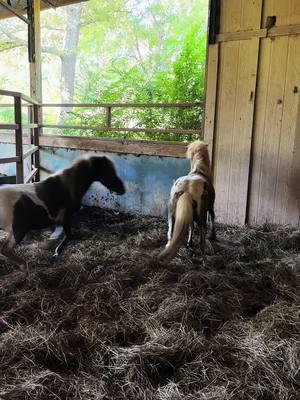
108 322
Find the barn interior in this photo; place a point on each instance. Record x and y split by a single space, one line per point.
109 321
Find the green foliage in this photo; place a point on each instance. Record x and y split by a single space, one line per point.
160 62
130 51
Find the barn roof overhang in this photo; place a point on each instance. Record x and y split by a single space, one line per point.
11 8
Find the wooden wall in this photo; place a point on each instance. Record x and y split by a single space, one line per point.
252 109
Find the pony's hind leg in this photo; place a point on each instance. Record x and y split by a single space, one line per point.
202 223
191 228
212 236
190 238
67 237
8 251
171 221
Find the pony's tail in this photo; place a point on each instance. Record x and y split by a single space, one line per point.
183 220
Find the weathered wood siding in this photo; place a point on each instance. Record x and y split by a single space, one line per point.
252 122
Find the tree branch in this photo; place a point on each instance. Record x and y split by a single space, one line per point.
16 42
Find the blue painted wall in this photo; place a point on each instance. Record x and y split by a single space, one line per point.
148 179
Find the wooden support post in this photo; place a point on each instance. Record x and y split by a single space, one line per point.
108 117
19 139
34 45
36 139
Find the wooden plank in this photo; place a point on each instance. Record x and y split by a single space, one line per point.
287 12
19 140
260 33
108 117
9 160
11 105
284 30
31 175
294 185
211 95
8 126
37 118
4 13
113 129
30 151
214 10
9 93
240 15
168 149
285 211
230 15
124 105
235 108
14 11
29 126
267 129
242 35
9 137
35 64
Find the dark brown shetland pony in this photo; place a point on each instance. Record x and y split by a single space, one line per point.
192 198
52 201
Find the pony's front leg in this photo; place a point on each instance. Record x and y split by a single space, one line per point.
68 235
8 251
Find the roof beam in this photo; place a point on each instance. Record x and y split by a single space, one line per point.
45 4
14 11
50 3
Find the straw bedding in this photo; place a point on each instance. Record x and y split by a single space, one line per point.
107 321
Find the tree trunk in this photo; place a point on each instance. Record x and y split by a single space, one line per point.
68 59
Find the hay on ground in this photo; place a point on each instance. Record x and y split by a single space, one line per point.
107 321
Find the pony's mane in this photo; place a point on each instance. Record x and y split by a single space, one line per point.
197 152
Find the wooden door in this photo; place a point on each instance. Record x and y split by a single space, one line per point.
272 190
252 103
233 108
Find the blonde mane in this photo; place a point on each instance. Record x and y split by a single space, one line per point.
197 152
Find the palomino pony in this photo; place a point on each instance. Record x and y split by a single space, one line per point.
52 201
192 198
